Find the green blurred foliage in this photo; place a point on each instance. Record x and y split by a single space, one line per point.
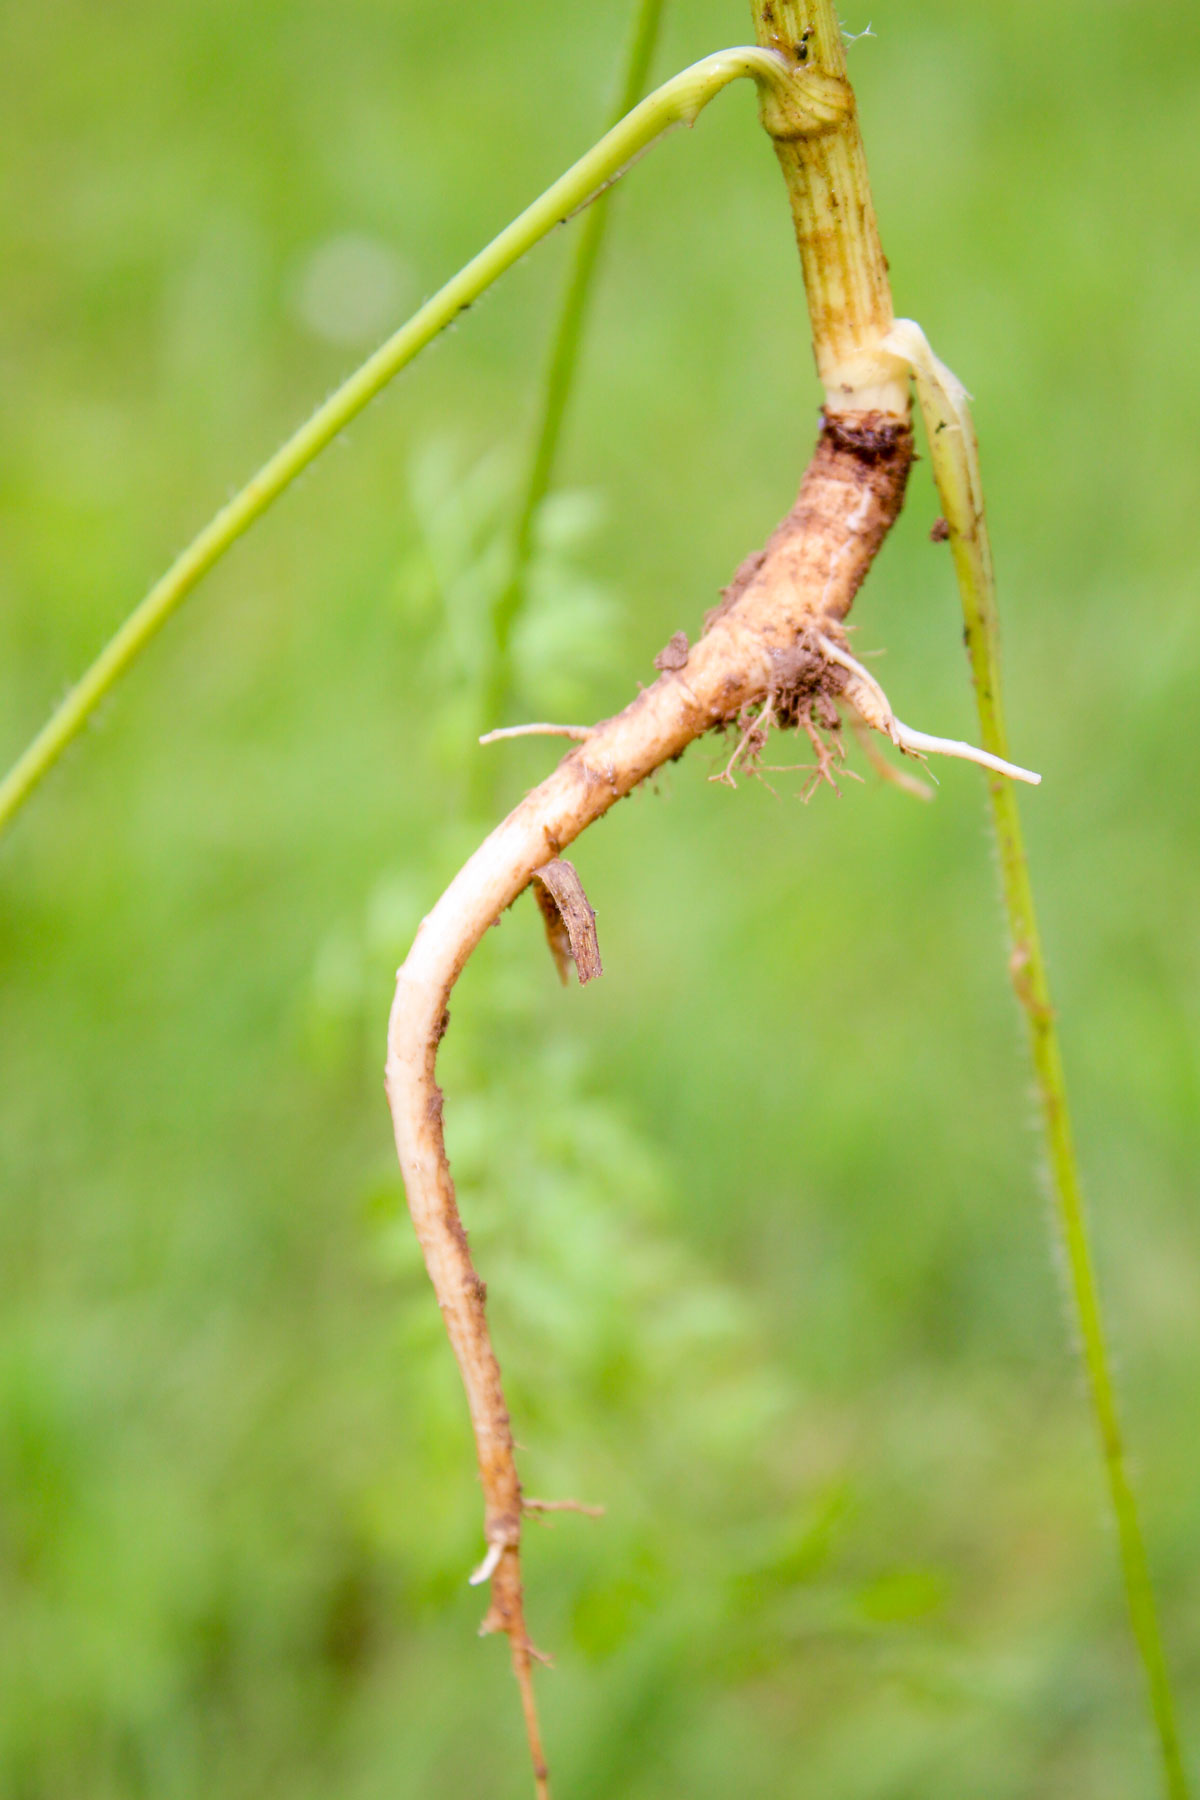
759 1212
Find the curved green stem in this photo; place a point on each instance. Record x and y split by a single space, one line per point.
677 101
955 457
556 387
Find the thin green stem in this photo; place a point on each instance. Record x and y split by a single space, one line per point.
556 388
677 101
955 458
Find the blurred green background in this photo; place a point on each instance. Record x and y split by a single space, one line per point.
761 1213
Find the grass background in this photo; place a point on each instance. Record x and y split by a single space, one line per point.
760 1213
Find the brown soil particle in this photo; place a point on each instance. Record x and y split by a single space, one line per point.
673 655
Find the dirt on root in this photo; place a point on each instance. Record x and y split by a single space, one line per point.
801 696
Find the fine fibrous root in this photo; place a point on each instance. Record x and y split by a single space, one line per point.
830 751
579 732
539 1507
900 778
872 705
755 723
801 697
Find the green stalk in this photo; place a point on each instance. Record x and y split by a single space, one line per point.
556 387
677 101
814 128
859 352
955 457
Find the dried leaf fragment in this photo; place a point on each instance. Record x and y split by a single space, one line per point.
569 919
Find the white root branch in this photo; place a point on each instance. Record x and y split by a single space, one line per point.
872 705
487 1567
920 743
579 732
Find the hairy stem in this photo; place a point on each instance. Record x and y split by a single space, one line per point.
955 457
678 101
762 644
556 389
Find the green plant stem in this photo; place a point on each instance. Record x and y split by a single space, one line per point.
556 388
814 128
955 458
676 101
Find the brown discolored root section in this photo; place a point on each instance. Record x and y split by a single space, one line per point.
759 649
569 920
